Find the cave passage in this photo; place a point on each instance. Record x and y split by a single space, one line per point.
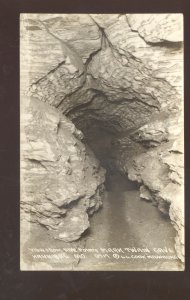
101 140
118 80
124 221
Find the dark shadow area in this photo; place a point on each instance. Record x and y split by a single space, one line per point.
123 183
103 140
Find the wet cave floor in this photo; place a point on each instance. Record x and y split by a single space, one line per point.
120 234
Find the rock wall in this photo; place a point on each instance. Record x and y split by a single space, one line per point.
121 73
159 170
62 181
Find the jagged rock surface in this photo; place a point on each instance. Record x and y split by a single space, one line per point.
122 73
62 180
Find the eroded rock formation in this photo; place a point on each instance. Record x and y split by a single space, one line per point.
62 179
120 74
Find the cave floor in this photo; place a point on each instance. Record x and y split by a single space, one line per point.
126 221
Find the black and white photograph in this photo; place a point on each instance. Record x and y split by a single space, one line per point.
101 142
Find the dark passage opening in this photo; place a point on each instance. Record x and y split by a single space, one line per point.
103 140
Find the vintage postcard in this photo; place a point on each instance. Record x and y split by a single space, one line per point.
102 134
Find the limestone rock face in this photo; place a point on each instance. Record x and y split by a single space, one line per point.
135 78
121 73
156 28
163 182
78 30
51 68
62 180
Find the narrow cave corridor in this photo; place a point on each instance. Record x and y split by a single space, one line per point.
124 220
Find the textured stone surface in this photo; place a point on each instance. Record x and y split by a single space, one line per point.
78 30
48 63
115 70
163 177
145 193
156 28
57 172
121 73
